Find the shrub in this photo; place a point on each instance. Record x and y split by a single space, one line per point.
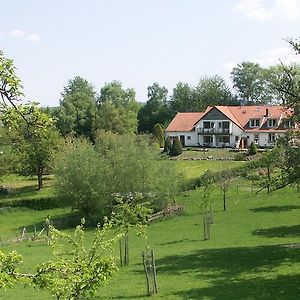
252 149
176 148
168 145
158 133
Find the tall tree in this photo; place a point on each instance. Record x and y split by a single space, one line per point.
77 109
211 91
250 83
156 109
182 99
117 109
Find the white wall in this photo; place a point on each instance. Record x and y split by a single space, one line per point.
193 141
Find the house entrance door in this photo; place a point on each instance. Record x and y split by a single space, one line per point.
182 140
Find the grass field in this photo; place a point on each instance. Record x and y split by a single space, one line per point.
195 168
253 252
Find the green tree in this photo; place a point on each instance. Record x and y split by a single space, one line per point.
223 180
81 179
76 114
76 271
211 91
182 99
88 176
176 148
253 148
249 80
158 134
156 109
168 145
34 140
117 109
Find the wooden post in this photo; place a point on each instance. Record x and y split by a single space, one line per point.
154 272
150 272
34 232
146 272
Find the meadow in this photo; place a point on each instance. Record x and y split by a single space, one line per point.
253 252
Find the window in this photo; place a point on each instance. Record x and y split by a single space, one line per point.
188 137
288 124
224 139
256 137
208 124
272 137
272 122
237 138
254 122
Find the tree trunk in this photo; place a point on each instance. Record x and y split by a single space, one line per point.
40 179
224 201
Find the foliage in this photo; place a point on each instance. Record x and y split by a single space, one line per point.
34 138
223 180
158 134
168 145
182 99
8 269
132 210
155 110
249 80
253 148
116 119
116 109
82 180
88 176
206 189
176 148
76 114
77 271
10 84
211 91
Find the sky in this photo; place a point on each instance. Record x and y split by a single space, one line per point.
139 42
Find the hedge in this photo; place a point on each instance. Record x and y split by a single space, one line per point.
34 203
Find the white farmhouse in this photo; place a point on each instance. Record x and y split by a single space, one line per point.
231 126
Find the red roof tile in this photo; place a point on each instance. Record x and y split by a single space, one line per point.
184 121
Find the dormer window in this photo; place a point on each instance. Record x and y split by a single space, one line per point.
254 122
272 122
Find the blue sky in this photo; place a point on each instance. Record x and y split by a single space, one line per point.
141 41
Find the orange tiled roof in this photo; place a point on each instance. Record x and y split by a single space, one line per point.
240 115
184 121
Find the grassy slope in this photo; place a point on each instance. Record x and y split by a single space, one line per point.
243 259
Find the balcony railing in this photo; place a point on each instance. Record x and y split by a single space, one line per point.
214 131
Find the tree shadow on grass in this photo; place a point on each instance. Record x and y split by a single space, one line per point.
279 288
282 231
227 262
61 222
275 208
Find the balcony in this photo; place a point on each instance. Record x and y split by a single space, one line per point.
223 131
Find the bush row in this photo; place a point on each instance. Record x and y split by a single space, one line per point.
33 203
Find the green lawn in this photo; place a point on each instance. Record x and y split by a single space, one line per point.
195 168
245 258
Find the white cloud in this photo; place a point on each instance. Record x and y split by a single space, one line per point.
257 9
33 38
18 34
